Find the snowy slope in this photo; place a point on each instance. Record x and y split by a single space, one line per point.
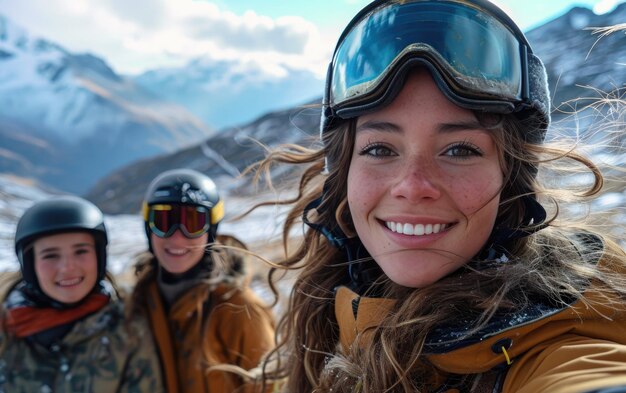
125 231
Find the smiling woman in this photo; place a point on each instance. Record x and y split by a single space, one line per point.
430 263
424 185
202 312
63 326
66 265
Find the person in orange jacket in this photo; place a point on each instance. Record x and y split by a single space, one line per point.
199 315
430 263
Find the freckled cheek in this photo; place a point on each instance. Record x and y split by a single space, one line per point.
473 193
364 191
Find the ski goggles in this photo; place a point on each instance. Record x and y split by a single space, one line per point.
477 55
192 220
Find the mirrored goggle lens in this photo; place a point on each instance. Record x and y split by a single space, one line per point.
193 221
480 56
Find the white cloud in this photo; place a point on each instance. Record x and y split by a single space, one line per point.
250 31
141 34
150 14
78 7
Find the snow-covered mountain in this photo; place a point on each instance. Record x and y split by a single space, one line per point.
579 61
226 93
68 119
222 156
563 43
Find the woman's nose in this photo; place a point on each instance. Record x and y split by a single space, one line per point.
67 262
418 180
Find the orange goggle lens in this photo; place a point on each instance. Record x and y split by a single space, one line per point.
165 219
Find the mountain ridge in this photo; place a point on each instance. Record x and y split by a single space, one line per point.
224 93
93 118
558 43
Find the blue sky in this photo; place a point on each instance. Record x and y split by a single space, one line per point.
137 35
527 13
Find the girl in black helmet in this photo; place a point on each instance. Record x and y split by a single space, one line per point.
200 317
63 328
430 263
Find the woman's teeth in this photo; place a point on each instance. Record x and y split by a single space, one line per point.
415 230
70 282
177 251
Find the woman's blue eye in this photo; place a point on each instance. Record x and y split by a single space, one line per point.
463 150
376 150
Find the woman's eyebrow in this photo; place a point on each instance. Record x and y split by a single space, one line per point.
77 245
385 126
49 249
376 125
461 126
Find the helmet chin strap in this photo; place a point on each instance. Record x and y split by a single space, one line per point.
335 235
362 270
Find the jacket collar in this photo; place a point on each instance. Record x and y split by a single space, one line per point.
482 351
356 314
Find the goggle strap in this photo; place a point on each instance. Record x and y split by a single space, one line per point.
145 211
538 86
217 212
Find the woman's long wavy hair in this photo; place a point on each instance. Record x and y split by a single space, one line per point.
551 264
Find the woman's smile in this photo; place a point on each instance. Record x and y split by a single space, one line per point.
70 282
178 253
416 229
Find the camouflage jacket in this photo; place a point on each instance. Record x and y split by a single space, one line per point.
97 355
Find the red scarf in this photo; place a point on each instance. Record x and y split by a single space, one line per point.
26 321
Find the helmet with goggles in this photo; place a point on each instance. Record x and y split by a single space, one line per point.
478 57
185 200
54 216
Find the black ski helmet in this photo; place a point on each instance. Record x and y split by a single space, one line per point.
186 187
53 216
